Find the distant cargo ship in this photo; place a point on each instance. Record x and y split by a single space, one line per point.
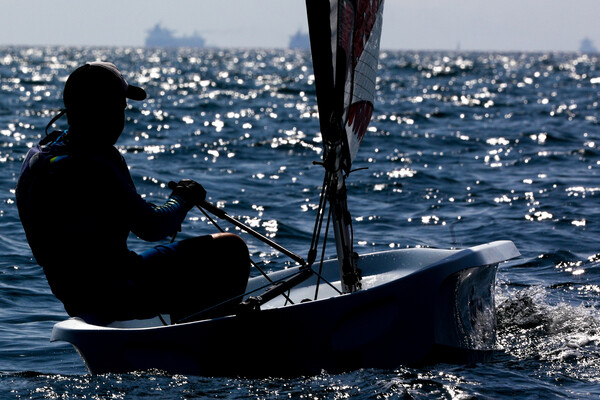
587 46
299 41
163 37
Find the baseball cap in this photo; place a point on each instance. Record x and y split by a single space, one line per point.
98 80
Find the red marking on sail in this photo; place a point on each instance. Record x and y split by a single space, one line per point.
345 25
359 117
368 9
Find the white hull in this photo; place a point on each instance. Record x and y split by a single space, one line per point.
416 306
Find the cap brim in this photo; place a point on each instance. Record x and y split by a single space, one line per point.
135 93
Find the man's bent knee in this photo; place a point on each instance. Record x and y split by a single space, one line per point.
230 242
233 248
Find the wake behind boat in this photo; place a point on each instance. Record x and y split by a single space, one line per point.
381 310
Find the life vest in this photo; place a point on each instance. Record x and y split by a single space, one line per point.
39 160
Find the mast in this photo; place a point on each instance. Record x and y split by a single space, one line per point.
342 225
344 36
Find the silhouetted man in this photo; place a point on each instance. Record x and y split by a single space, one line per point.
78 204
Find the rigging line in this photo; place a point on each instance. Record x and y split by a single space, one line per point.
354 170
319 219
162 320
255 265
323 196
326 281
210 219
319 276
315 239
222 214
351 235
222 231
287 298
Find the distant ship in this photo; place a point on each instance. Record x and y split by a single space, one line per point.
299 41
587 46
162 37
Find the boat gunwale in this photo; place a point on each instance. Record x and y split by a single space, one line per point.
470 258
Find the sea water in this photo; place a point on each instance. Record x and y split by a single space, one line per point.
464 148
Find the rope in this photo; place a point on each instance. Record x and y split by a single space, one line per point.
262 272
319 220
319 276
271 283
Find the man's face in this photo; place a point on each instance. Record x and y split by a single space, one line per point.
98 120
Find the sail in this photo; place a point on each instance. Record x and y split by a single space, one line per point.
344 41
345 68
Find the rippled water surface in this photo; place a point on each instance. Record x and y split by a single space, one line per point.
463 149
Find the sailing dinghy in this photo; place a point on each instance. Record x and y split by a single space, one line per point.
378 310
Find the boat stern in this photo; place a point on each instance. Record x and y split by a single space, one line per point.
465 312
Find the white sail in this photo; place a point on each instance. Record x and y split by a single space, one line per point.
359 96
345 67
344 36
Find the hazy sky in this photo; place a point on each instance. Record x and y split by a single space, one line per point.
530 25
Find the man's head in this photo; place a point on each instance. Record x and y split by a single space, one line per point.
95 98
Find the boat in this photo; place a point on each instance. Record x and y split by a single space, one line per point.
163 37
299 41
587 47
409 306
417 306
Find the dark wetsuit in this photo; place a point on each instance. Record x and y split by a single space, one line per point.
78 206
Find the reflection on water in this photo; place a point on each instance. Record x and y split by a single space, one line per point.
463 149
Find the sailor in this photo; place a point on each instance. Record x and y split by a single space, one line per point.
78 204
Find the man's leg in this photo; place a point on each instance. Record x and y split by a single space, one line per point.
198 273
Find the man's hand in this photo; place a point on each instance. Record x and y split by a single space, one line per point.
191 191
